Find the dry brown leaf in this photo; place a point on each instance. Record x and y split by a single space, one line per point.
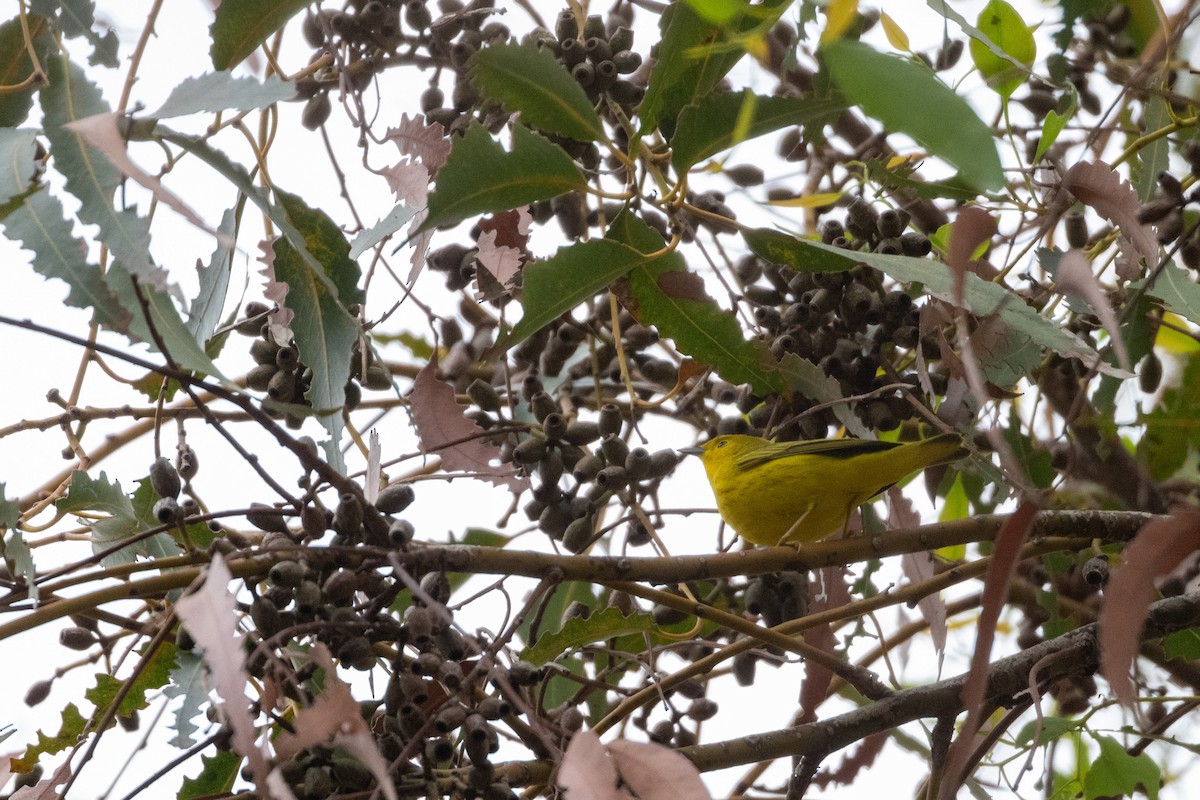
655 772
335 717
587 773
444 430
210 617
973 227
1098 185
1156 550
501 265
861 757
273 290
814 689
1075 276
46 789
1009 541
426 142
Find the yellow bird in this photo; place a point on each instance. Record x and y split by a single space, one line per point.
776 492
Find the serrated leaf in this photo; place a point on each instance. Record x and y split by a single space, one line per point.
375 234
38 224
555 285
221 91
122 522
707 127
480 176
662 293
178 341
983 298
1178 292
216 778
1116 773
812 382
531 81
908 98
1004 28
187 682
90 176
324 330
70 728
577 632
1183 644
16 67
16 552
241 26
155 674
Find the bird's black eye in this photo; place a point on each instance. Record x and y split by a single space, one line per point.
722 443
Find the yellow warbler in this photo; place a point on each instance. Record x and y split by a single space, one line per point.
775 492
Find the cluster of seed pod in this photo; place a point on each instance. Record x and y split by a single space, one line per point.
280 373
598 56
370 35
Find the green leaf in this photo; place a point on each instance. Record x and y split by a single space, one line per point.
1171 431
16 67
382 229
204 313
216 779
718 11
982 298
662 293
812 382
1052 126
122 522
562 596
480 177
180 343
1051 729
1116 773
1003 26
555 285
953 188
532 81
18 149
16 552
187 682
908 98
693 55
90 176
242 25
1154 157
70 729
1183 644
1177 291
221 91
155 674
706 128
39 225
325 331
577 632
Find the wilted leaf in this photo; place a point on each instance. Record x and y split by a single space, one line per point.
48 788
481 177
587 773
1075 275
655 772
187 685
425 141
529 80
210 616
445 431
971 228
241 26
919 567
382 229
1099 186
1157 549
907 97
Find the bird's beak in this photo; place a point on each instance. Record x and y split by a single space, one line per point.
691 451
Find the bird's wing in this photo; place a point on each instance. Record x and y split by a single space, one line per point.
831 448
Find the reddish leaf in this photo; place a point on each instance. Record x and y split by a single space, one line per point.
274 290
655 772
861 757
409 181
1158 548
1009 541
210 617
1075 275
918 567
424 141
815 686
973 227
46 789
499 267
444 430
511 227
587 773
1099 186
